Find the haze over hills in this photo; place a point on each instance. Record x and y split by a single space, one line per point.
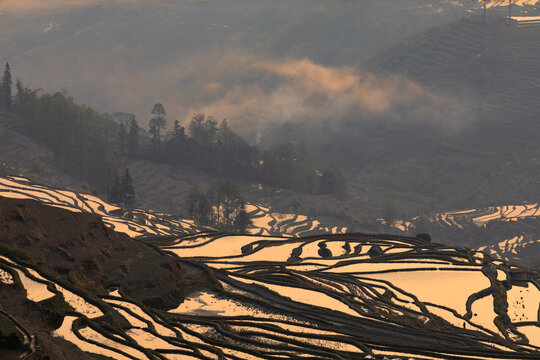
428 125
191 55
281 72
269 179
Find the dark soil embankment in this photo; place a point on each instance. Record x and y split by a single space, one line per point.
81 249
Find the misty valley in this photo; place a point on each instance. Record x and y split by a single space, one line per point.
243 179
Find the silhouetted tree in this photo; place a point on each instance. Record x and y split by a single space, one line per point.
225 135
133 137
20 94
6 88
196 128
177 143
229 202
209 132
179 132
198 206
123 192
156 124
128 192
242 220
122 138
221 206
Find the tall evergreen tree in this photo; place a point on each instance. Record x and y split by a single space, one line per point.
157 123
128 191
179 133
122 138
225 134
133 137
6 88
196 128
20 94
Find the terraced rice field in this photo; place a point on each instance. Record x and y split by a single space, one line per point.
504 3
267 222
140 222
279 298
326 296
475 217
145 223
513 247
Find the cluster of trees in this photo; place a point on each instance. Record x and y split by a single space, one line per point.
122 192
6 101
84 145
128 134
77 135
222 206
212 146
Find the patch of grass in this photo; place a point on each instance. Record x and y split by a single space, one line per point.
14 252
73 277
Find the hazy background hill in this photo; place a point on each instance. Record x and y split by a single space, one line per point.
193 55
414 101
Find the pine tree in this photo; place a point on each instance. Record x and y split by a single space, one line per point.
196 128
156 124
128 191
122 140
133 137
20 95
122 191
179 133
6 100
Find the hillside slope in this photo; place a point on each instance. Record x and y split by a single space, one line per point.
496 61
85 259
327 296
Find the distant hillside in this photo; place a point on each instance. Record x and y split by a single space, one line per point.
509 232
19 153
496 61
491 71
188 54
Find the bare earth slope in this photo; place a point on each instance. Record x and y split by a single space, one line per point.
79 247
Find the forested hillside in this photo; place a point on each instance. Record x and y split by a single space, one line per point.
417 123
96 147
116 58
